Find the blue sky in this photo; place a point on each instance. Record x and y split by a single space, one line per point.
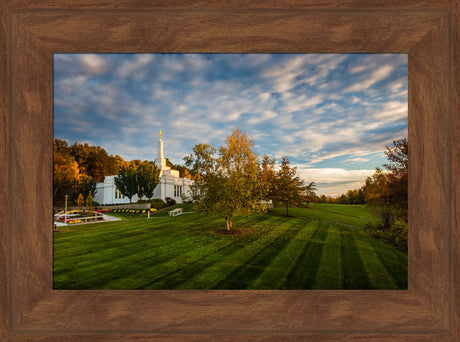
331 114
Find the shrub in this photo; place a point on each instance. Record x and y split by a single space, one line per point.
157 203
170 201
395 234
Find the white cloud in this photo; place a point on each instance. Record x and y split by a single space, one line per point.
93 64
132 66
378 75
356 160
359 68
68 84
334 181
392 111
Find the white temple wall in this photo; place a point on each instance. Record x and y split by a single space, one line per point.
170 185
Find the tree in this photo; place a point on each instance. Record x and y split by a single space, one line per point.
80 201
87 185
94 161
227 185
126 181
65 175
387 191
397 166
203 166
147 178
309 193
267 176
290 187
239 188
89 203
397 155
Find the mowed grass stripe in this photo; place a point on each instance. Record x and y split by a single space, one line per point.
100 232
360 210
394 261
354 273
375 270
217 272
275 274
329 275
194 266
105 269
173 271
303 274
85 250
93 230
131 235
245 274
316 214
106 256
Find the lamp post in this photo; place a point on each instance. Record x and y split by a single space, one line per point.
65 209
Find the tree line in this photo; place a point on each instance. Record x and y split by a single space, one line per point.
77 168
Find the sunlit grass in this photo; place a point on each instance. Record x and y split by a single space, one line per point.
321 248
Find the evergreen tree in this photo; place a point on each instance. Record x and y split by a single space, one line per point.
290 188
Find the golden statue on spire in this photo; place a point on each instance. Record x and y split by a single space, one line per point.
160 133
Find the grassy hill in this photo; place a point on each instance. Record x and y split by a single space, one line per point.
323 247
355 215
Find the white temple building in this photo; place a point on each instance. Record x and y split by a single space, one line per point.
170 184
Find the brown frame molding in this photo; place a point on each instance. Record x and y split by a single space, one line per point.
429 31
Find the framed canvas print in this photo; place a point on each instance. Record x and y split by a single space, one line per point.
39 303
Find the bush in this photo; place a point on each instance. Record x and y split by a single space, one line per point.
157 203
396 234
170 201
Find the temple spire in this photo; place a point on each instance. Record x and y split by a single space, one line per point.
161 160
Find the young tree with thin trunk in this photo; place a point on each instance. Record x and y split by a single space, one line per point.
80 201
309 193
239 193
89 203
228 184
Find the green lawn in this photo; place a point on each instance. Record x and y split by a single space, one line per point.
323 247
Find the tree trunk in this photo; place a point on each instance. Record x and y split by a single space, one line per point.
287 209
229 223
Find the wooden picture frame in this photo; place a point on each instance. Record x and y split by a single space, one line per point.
30 310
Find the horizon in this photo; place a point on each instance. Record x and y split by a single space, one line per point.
332 115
